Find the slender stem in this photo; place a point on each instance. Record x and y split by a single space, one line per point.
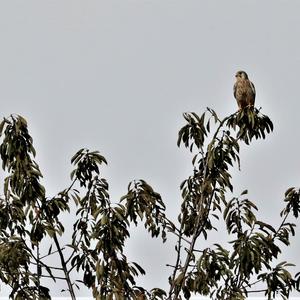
256 291
179 235
74 251
44 266
177 260
65 192
78 242
56 277
60 251
199 226
64 266
241 277
38 267
282 223
255 282
200 222
51 253
75 265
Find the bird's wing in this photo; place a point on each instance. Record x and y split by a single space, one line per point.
234 90
252 88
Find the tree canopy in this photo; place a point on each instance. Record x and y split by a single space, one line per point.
28 218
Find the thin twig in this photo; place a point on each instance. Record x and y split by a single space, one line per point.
63 248
56 277
44 266
199 224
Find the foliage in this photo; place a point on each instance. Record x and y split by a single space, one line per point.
28 218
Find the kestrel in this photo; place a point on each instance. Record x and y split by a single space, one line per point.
243 90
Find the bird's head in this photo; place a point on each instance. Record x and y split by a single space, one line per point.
241 74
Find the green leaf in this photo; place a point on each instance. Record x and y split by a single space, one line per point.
244 192
1 126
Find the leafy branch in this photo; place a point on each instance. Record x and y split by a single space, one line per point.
96 256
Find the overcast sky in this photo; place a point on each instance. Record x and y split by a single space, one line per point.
116 76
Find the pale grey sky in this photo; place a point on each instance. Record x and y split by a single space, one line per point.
117 75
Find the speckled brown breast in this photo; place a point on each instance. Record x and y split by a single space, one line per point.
244 93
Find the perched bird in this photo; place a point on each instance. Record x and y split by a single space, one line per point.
243 90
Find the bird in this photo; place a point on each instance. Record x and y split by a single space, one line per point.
244 90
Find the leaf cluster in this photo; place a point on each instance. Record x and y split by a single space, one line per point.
250 123
96 252
216 271
99 231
